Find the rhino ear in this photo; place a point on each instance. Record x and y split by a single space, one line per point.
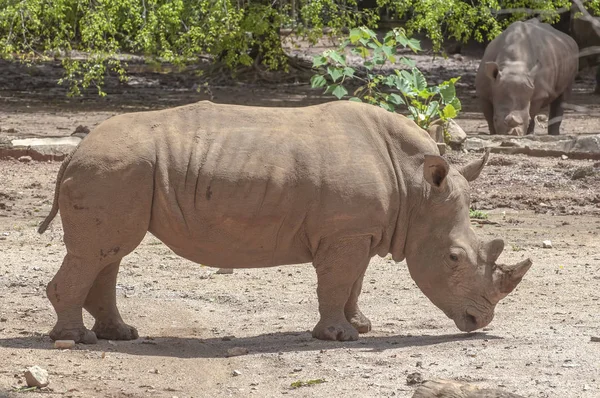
435 170
472 170
491 70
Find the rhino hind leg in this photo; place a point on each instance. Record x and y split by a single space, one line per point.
556 115
101 302
340 266
353 313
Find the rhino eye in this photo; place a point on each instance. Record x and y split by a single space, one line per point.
454 257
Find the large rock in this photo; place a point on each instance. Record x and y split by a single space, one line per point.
575 147
36 377
40 149
456 135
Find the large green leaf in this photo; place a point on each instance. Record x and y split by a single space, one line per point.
317 81
335 73
449 112
448 92
336 57
396 99
355 35
419 79
349 71
408 62
456 104
386 106
339 91
432 109
319 60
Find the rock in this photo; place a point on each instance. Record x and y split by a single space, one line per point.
564 157
81 131
583 172
36 377
456 134
224 271
237 351
454 389
547 244
64 344
414 378
595 339
236 373
25 159
436 131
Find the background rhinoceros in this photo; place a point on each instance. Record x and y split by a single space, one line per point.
236 186
527 67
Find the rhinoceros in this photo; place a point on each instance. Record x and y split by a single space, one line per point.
527 67
239 187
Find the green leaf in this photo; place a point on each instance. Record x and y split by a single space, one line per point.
447 92
449 112
355 99
396 99
336 57
349 71
432 109
319 60
386 106
408 62
335 73
456 104
355 35
317 81
419 79
414 45
339 91
368 65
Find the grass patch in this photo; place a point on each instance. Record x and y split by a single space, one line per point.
307 383
478 214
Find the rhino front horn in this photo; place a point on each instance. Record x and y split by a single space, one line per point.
507 277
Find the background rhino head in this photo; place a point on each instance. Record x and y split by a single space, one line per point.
448 262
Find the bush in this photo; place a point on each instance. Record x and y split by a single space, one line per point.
403 88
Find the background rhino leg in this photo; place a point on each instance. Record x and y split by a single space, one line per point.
67 292
488 113
597 89
101 302
353 314
556 115
340 266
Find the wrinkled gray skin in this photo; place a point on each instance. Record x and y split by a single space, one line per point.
585 29
527 67
240 187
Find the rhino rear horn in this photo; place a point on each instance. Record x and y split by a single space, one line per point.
472 170
507 277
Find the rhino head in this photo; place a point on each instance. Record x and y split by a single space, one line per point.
512 91
454 269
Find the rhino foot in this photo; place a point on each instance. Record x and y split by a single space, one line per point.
360 322
80 335
115 331
341 332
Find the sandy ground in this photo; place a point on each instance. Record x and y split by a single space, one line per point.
539 344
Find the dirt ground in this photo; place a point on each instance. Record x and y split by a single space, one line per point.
539 344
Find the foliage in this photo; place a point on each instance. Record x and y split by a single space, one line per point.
402 88
91 36
478 214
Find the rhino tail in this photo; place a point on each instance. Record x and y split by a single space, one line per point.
54 210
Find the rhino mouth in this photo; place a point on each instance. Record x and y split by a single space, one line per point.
471 321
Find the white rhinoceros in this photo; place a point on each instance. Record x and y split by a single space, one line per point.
236 186
527 67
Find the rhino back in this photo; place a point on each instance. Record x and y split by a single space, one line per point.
247 186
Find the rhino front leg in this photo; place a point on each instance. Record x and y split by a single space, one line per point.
340 266
556 115
488 113
353 314
101 302
67 292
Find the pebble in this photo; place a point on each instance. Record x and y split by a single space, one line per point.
414 378
547 244
564 157
64 344
36 377
595 339
236 373
224 271
25 159
237 351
